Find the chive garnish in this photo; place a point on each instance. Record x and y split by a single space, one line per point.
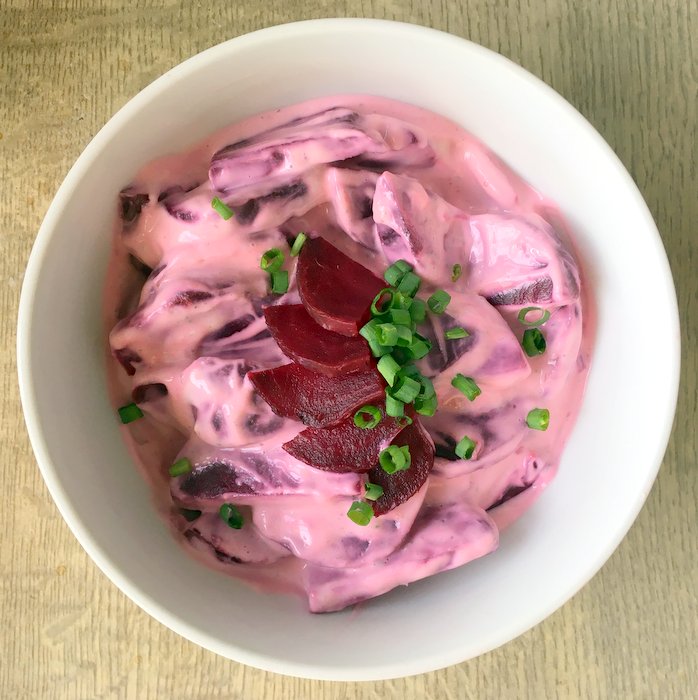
438 301
465 448
231 515
395 459
272 260
533 342
181 466
394 274
367 417
400 317
388 368
129 413
224 211
301 238
382 301
538 419
406 389
456 333
386 334
373 491
394 407
360 513
404 336
467 386
426 406
420 347
418 311
543 316
279 281
409 284
456 272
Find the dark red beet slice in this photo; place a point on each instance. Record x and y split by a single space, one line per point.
344 448
293 391
336 291
400 486
309 344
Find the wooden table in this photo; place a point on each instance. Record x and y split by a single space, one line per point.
630 66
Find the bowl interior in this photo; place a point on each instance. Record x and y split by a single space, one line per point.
606 471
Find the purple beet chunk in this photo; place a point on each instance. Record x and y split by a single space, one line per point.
127 358
402 485
309 344
343 448
537 292
293 391
335 290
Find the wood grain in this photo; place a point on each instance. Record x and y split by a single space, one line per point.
630 66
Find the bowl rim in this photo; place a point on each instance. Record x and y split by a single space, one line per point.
50 474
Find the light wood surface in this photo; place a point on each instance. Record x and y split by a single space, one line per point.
630 66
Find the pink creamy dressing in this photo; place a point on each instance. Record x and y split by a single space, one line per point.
381 180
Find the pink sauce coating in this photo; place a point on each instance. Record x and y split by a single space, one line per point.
382 181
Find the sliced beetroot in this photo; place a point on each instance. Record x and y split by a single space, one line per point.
336 290
293 391
344 448
312 346
400 486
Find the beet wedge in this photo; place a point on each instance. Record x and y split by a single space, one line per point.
400 486
294 391
311 345
336 291
344 448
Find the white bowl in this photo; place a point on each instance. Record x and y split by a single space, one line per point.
611 459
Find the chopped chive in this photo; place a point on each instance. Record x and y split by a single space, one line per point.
456 272
426 390
419 347
404 336
360 513
272 260
410 370
394 407
404 421
388 368
402 301
373 491
533 342
231 515
378 350
394 459
224 211
129 413
279 281
426 406
367 417
465 448
181 466
538 419
406 389
298 243
400 317
409 284
467 386
418 311
438 301
401 355
456 333
189 515
382 301
543 316
386 334
396 272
